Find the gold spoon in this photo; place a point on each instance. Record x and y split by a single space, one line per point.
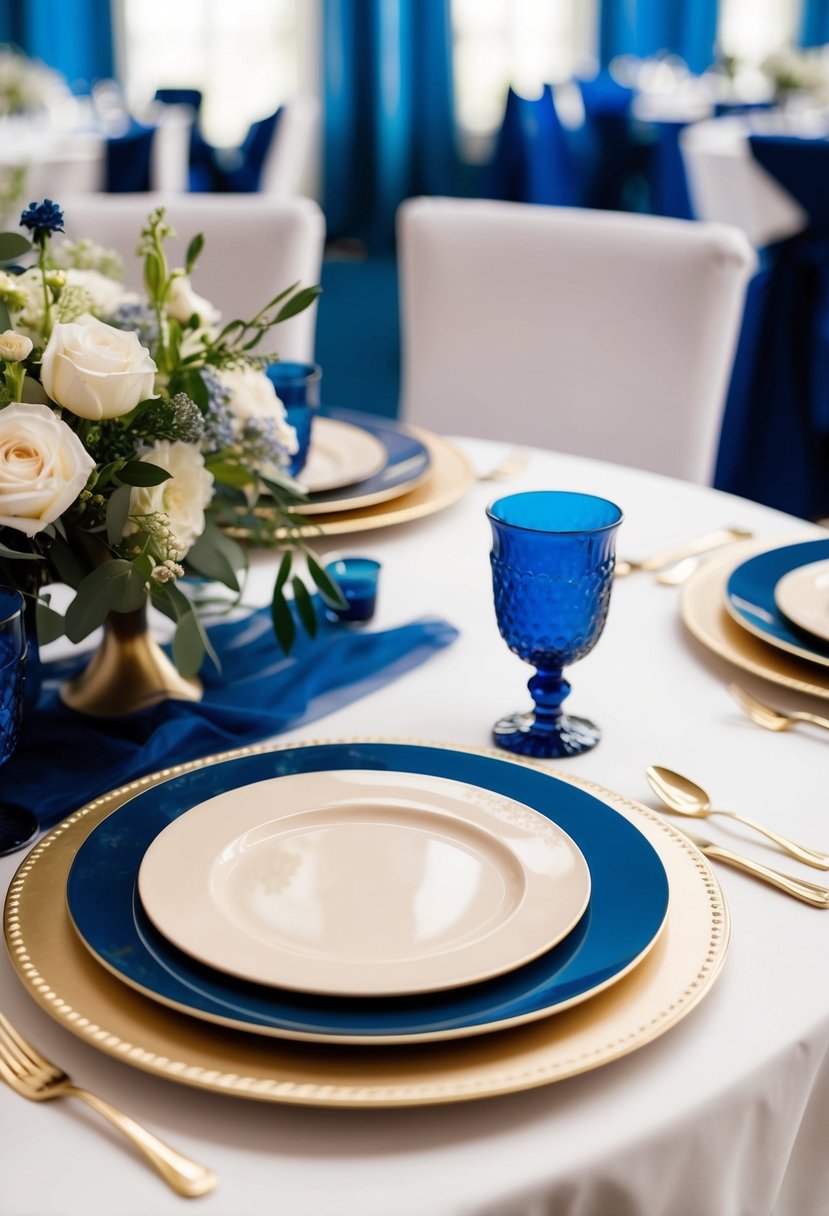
684 797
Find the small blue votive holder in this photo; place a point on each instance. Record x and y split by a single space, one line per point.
298 387
357 579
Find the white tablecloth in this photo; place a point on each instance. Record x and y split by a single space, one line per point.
726 1115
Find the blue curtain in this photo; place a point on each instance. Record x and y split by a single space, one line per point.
645 27
814 29
73 36
389 128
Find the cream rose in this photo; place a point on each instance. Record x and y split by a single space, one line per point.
182 302
184 497
253 398
43 467
14 347
95 370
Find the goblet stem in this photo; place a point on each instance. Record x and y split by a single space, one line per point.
548 689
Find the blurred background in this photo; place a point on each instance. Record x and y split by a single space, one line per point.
363 103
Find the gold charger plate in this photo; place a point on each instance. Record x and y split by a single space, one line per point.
65 980
447 479
704 613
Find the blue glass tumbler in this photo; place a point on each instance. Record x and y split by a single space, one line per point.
17 826
298 387
552 558
357 579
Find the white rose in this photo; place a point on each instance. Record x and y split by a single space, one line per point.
43 467
95 370
253 397
184 497
106 294
14 347
182 302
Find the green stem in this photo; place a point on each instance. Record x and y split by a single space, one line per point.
47 299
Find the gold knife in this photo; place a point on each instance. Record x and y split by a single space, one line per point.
810 892
666 557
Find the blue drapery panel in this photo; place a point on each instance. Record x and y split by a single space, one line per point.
644 27
73 36
814 28
532 162
389 127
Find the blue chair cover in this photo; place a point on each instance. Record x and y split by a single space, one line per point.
247 177
65 759
202 175
668 182
532 162
615 163
127 160
774 445
180 97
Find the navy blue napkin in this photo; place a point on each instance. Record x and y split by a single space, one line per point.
65 759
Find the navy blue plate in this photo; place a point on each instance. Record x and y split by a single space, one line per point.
408 461
627 907
750 598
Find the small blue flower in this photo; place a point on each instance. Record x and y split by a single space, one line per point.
42 218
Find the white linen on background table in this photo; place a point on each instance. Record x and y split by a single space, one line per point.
725 1115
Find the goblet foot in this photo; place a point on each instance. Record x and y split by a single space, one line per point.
18 828
569 736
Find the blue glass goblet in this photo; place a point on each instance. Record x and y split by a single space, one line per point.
552 570
298 387
17 826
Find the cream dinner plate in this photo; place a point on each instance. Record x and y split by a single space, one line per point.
340 454
803 597
363 883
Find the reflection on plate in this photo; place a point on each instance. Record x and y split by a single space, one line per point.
340 455
703 611
67 982
803 597
406 464
363 883
627 906
750 597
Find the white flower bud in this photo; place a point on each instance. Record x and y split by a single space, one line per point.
14 347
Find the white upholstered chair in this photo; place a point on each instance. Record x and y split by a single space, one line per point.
597 333
254 248
292 163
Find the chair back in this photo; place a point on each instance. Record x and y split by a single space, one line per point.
596 333
291 164
254 248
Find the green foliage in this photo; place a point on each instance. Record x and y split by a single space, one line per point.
13 245
116 586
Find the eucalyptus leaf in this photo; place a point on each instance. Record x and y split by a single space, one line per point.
284 570
298 303
193 250
230 474
328 587
118 508
70 569
142 473
189 646
304 606
283 621
13 245
216 556
50 624
114 586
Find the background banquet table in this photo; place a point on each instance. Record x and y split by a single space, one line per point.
725 1114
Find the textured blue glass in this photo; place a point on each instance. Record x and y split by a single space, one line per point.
357 580
298 387
750 592
12 666
628 900
552 561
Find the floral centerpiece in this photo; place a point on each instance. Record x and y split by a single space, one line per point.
28 86
131 429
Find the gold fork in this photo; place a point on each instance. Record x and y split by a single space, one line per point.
30 1074
512 464
773 719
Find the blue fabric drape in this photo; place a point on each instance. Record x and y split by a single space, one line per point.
127 160
644 27
814 27
532 162
389 126
73 37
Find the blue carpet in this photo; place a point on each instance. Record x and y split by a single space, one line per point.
358 335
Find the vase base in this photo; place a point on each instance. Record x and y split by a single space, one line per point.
127 675
519 733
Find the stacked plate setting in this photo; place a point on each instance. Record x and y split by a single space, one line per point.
767 611
380 895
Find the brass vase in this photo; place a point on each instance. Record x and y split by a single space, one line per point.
127 673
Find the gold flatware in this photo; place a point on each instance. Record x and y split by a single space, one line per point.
512 464
30 1074
773 719
685 797
692 548
809 892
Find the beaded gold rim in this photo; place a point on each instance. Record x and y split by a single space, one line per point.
484 1066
